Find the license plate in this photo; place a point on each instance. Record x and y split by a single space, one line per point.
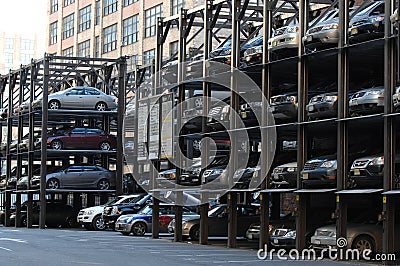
310 108
356 171
353 31
275 241
317 242
309 38
244 114
195 180
305 176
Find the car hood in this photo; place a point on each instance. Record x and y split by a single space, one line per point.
323 158
293 164
99 209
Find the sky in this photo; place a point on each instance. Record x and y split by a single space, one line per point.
24 17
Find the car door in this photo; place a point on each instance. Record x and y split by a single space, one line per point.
92 97
76 139
93 137
72 176
73 98
91 176
218 224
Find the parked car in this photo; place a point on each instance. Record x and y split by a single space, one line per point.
194 175
91 218
243 176
396 99
58 214
218 222
141 223
319 171
322 106
82 138
284 106
112 212
222 53
284 222
79 97
284 175
368 24
367 101
394 18
79 177
283 238
22 183
11 182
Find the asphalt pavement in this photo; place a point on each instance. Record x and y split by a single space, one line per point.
21 246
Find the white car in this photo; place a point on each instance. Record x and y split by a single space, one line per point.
91 218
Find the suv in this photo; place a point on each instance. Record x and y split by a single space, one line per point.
91 218
284 106
112 212
367 101
322 106
319 171
284 175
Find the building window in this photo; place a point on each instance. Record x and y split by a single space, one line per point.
151 16
148 57
9 44
97 7
68 2
68 27
176 6
53 6
173 48
110 6
130 29
68 52
128 2
53 33
8 58
84 18
84 49
97 47
27 45
110 38
26 58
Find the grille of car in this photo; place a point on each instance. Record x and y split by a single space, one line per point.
278 99
315 29
317 99
278 170
360 163
280 31
311 165
215 110
359 94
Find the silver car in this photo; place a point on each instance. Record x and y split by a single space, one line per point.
396 99
79 176
79 98
367 101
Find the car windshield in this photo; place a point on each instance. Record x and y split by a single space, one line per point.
220 160
215 211
146 210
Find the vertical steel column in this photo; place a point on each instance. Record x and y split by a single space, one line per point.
31 147
43 155
342 125
19 137
235 60
268 7
120 122
207 40
389 130
302 80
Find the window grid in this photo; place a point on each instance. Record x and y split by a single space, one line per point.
27 45
53 33
130 29
176 6
110 38
97 47
128 2
68 52
110 6
84 18
98 12
68 2
9 44
148 57
151 16
68 26
53 6
84 49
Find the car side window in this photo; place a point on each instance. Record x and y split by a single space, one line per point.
92 92
78 131
89 168
75 169
93 131
75 92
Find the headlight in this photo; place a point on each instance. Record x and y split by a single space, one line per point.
89 212
330 26
239 172
377 161
219 171
291 169
291 99
258 49
227 52
291 233
330 98
377 19
328 164
225 109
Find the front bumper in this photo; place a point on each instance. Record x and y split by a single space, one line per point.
284 41
322 109
367 104
253 59
123 227
283 242
366 31
321 39
319 177
284 111
252 235
288 179
323 242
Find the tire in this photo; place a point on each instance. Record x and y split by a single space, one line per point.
54 105
101 106
53 183
103 184
98 223
139 229
56 144
195 233
364 242
105 146
71 223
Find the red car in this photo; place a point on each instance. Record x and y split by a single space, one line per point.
82 138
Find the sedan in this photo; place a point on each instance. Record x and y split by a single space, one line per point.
79 176
79 98
82 138
367 101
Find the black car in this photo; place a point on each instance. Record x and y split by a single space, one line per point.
283 238
223 53
11 182
322 106
58 214
368 23
319 171
284 106
284 175
243 176
112 212
196 175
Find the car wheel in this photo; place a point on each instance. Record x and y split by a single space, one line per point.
103 184
195 232
364 242
54 105
105 146
98 223
56 144
71 223
101 106
139 229
53 183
